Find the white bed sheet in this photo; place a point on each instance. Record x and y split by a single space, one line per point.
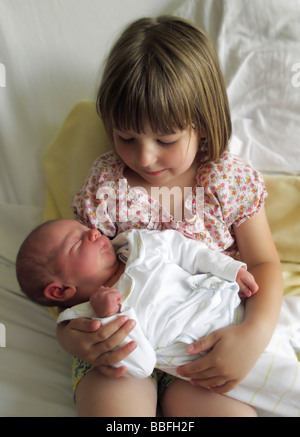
50 54
258 45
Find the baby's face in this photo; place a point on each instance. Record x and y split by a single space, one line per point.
83 256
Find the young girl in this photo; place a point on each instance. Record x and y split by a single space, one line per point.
164 106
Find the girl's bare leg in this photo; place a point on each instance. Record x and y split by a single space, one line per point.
182 399
99 396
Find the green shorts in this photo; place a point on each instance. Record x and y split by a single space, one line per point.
161 379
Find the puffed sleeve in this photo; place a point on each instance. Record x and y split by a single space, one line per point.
234 191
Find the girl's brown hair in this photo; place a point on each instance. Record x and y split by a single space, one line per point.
165 71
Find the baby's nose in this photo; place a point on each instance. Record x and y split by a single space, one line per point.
93 234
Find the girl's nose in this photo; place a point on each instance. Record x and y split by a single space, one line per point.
93 234
146 155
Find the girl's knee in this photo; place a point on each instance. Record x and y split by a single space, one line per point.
99 396
183 399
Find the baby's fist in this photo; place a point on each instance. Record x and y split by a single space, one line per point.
246 282
106 301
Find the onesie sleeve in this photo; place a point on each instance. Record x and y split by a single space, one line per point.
194 256
81 310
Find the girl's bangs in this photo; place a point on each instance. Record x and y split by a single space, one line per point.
163 108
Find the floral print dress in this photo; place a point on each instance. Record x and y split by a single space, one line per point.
230 190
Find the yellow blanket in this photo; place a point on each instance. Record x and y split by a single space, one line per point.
82 138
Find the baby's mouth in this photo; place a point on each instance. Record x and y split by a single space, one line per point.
103 244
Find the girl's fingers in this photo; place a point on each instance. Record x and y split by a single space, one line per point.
112 372
107 351
202 364
200 375
226 387
204 344
210 383
115 332
114 357
84 325
101 348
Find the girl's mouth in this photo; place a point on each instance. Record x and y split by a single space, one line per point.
155 173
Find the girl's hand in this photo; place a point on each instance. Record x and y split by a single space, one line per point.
89 341
246 282
232 352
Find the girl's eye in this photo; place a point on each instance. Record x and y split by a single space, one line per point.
160 142
126 140
163 144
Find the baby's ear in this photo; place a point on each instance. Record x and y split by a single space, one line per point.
59 292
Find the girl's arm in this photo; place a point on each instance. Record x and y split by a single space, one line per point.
258 251
89 341
234 350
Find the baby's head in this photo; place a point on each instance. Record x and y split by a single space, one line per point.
165 72
62 263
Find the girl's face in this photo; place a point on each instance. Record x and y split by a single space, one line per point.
83 257
158 158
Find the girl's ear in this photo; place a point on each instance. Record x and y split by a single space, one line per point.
59 292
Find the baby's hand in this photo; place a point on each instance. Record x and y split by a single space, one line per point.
246 282
106 301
